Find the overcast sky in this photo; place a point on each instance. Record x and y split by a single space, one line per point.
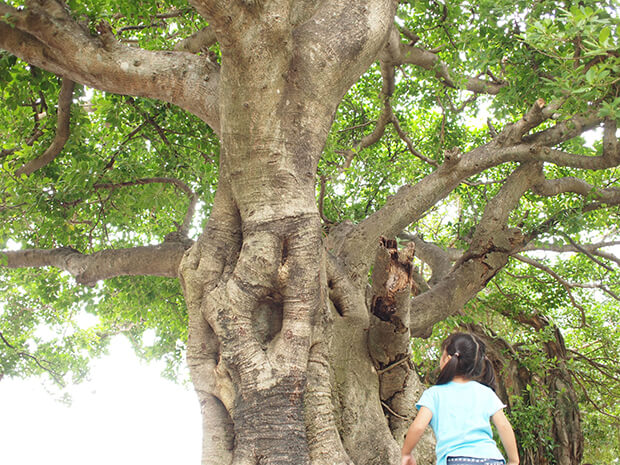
127 415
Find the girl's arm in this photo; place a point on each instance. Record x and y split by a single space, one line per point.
414 433
507 435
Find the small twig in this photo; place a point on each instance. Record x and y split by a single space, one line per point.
407 140
595 365
386 406
585 393
357 126
565 284
184 227
393 365
23 354
587 253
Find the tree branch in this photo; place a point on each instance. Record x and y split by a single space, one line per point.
158 260
563 130
552 187
565 284
593 249
39 362
62 131
386 117
589 399
603 369
437 258
417 56
490 248
193 197
369 139
197 42
410 202
47 37
587 253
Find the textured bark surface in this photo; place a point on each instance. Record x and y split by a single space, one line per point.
282 356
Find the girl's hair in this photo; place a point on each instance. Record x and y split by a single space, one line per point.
468 360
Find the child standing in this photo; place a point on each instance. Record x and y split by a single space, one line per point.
459 407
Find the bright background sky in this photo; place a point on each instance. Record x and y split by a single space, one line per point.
126 415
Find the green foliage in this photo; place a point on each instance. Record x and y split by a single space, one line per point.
44 327
88 199
530 418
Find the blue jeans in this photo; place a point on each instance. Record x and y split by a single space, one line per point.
473 461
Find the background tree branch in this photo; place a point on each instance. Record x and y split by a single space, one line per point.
50 39
62 131
426 59
490 248
157 260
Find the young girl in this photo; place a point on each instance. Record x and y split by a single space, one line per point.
459 406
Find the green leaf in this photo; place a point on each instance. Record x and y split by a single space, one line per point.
604 35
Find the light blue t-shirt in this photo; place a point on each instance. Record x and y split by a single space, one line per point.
461 413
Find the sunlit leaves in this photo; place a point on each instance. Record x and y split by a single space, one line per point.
92 197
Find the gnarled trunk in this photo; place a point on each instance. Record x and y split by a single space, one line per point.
279 339
278 336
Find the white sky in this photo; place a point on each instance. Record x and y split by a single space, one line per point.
126 415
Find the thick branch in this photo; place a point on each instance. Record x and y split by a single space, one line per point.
514 132
439 260
62 131
410 202
552 187
158 260
490 249
563 130
49 38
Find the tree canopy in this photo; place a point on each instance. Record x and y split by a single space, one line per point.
476 129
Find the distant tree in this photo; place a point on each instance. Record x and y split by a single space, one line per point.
288 191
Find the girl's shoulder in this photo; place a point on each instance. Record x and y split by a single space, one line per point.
461 387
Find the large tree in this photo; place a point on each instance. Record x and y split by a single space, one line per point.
253 178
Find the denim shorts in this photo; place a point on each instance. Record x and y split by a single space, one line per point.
473 461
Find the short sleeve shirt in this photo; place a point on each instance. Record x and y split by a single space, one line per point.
461 414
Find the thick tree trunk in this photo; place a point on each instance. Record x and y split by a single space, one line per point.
279 331
279 334
261 405
283 373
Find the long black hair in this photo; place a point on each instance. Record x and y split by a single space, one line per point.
468 360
